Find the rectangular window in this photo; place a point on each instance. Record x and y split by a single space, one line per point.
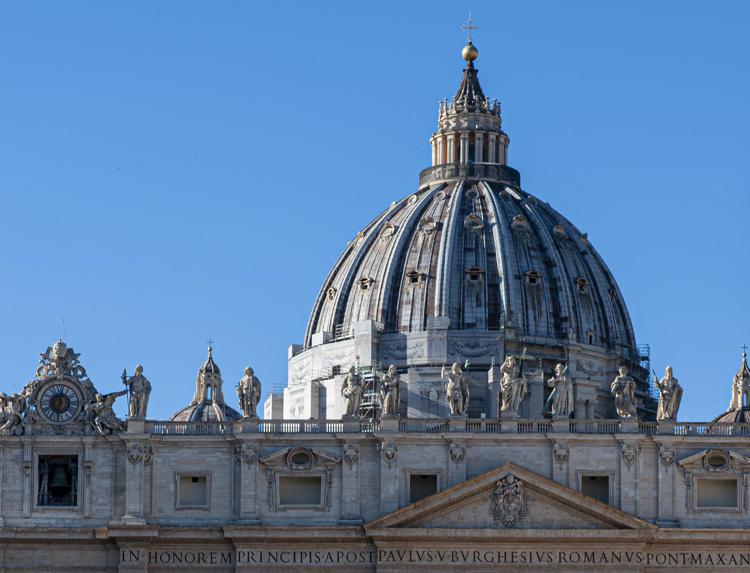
58 481
300 490
422 485
719 493
596 487
193 491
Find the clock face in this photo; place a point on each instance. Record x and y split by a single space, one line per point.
60 402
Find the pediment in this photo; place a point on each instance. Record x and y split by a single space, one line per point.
509 497
715 460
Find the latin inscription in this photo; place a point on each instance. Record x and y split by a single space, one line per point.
265 558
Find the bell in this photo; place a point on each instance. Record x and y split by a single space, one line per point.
59 477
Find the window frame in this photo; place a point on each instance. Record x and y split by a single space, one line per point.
78 507
204 474
420 471
580 474
321 506
699 477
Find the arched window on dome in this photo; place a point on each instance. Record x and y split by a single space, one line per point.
582 284
533 278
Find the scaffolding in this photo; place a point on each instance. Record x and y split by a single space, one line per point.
369 406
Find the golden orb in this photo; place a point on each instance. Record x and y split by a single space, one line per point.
469 53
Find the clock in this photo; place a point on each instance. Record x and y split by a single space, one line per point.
60 402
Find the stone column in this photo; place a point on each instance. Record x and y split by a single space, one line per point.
440 150
2 521
560 465
478 147
464 155
28 478
493 388
388 474
491 148
433 142
246 455
451 148
666 485
350 511
87 466
629 455
135 446
456 462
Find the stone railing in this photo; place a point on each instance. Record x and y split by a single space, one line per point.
439 425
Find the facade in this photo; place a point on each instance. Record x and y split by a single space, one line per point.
469 396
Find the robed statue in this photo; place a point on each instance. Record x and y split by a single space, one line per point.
623 390
456 389
389 392
560 401
670 395
248 392
351 390
140 390
512 386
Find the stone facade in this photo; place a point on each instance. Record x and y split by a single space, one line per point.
517 302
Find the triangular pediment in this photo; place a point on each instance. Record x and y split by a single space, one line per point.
509 497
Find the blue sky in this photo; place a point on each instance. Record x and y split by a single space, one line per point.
174 171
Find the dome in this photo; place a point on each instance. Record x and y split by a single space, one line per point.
208 403
473 250
470 269
739 405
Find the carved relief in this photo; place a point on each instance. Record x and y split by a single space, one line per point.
389 450
245 453
590 368
508 503
457 452
427 225
471 348
473 222
561 454
389 229
629 455
667 455
351 454
137 451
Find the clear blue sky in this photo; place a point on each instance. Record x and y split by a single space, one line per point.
174 171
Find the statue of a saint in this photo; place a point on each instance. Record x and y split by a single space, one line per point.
140 391
248 392
623 389
102 413
389 392
560 402
670 396
741 386
456 390
351 390
512 386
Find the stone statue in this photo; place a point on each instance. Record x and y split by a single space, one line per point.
248 392
389 392
351 390
560 402
456 390
741 386
14 408
670 396
102 414
623 389
140 391
512 386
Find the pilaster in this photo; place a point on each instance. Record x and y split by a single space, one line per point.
666 484
456 461
350 509
88 466
28 464
388 447
246 455
493 389
629 466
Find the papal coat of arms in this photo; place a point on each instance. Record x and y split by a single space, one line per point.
508 503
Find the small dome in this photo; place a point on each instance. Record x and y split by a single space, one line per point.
208 403
738 416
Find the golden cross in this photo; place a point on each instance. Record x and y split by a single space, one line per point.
744 348
210 344
468 28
